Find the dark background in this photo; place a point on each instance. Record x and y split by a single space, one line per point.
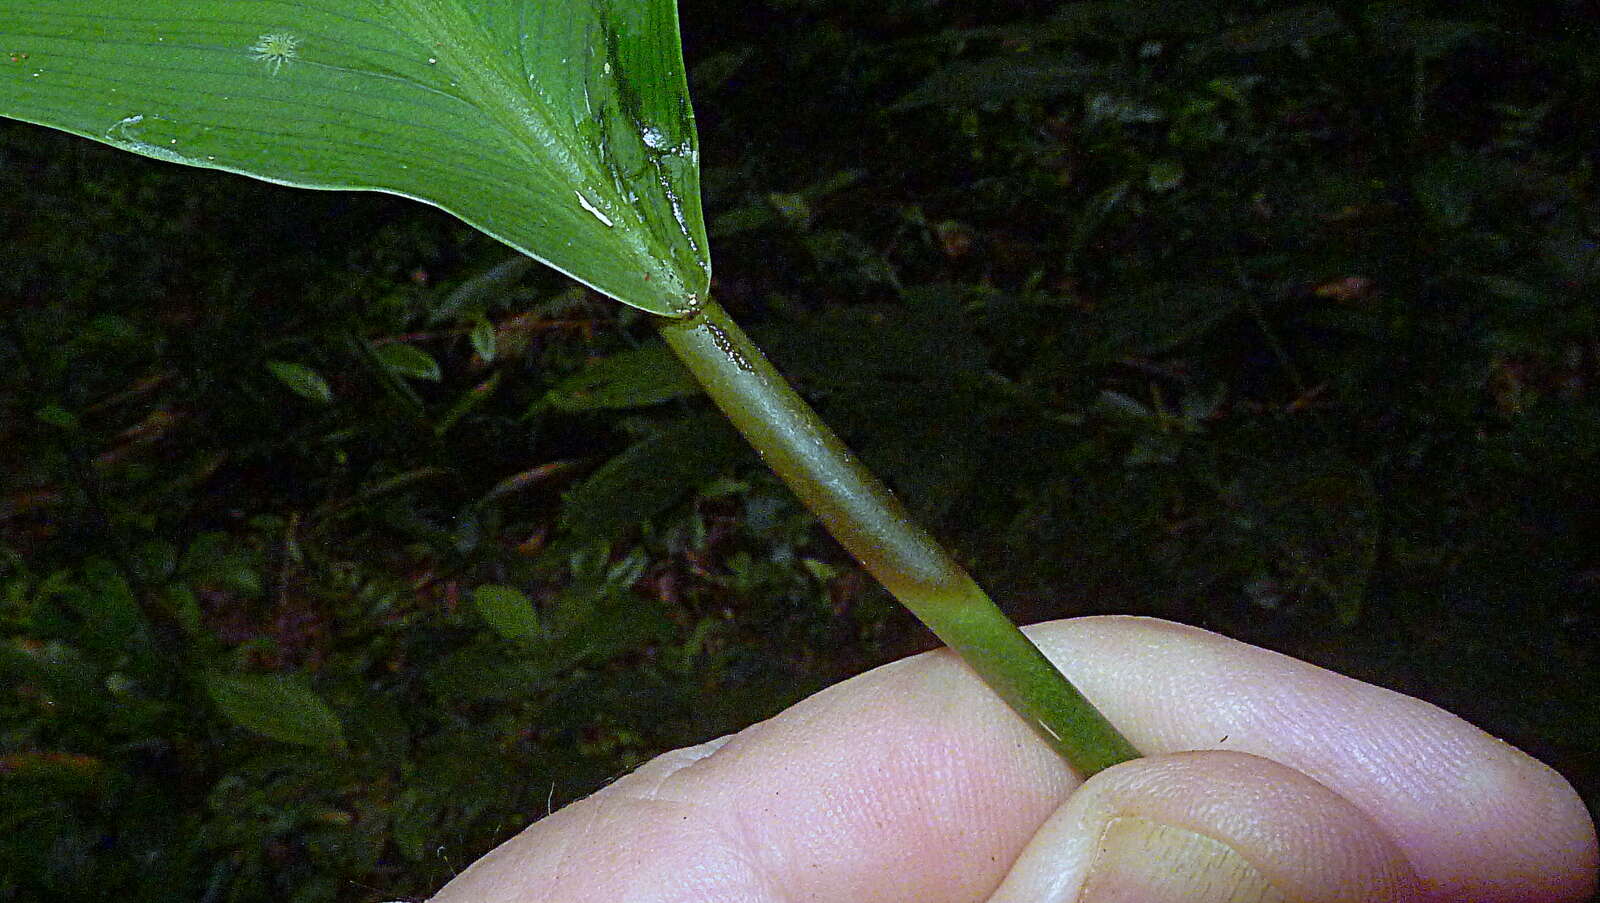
1275 319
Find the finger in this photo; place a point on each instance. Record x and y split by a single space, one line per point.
912 782
1477 818
1208 827
896 785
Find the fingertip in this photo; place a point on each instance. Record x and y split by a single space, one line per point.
1478 818
1208 827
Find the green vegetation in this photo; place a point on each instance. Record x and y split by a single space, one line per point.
1281 323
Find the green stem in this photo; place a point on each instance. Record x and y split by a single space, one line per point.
870 522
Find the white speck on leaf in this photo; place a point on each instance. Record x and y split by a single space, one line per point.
276 49
584 203
653 139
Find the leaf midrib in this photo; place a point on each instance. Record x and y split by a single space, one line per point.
513 106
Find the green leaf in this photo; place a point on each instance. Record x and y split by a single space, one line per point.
1164 175
414 814
1000 79
714 71
561 128
59 672
214 560
650 476
482 337
279 706
56 416
113 630
407 360
484 290
466 402
646 375
509 612
302 380
597 624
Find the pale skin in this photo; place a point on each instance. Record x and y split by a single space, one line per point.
913 783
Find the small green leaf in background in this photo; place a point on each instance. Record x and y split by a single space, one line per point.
213 561
302 380
56 416
406 360
650 476
1164 175
279 706
61 674
466 402
509 612
483 339
563 129
792 209
998 80
413 816
646 375
483 289
113 629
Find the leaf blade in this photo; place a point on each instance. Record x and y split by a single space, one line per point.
509 613
302 381
464 106
279 706
409 361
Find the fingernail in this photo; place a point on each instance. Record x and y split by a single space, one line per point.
1142 861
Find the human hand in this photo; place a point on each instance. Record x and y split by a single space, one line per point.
1266 778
